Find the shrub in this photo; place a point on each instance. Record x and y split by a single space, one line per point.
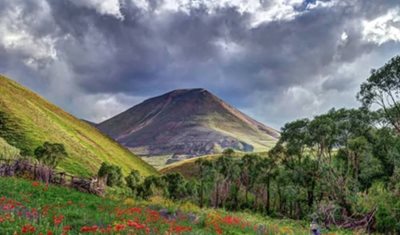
133 181
113 174
51 154
7 151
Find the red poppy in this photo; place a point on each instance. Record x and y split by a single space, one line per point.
119 227
28 229
58 220
89 228
180 229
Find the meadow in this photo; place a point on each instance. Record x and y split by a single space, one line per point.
30 207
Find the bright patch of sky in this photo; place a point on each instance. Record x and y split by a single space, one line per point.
383 28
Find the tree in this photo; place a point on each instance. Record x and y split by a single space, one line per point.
227 171
176 185
267 171
152 185
228 152
113 174
383 89
51 154
133 180
205 177
249 173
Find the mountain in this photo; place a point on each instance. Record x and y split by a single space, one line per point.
27 121
189 122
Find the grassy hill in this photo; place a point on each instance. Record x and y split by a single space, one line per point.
188 167
27 121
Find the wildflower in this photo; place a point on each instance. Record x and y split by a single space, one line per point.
89 228
106 230
179 229
58 220
119 227
135 224
217 229
135 210
230 220
66 228
8 207
28 229
35 184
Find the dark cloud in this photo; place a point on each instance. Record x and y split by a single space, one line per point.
104 55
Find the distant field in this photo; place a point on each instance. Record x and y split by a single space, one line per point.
157 162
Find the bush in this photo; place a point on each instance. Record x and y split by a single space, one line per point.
133 181
7 151
113 174
51 154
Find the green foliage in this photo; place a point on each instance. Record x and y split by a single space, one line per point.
113 174
176 185
133 180
152 186
51 154
11 132
7 151
228 152
383 89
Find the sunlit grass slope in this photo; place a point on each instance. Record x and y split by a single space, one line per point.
189 169
30 120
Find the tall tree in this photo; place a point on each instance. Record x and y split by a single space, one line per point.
383 89
205 176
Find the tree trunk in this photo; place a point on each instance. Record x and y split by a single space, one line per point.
268 196
246 195
217 195
310 195
201 193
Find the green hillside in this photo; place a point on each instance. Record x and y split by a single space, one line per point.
189 169
27 121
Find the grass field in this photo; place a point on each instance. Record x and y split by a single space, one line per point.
30 121
34 208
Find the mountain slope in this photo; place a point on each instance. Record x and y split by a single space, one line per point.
27 120
188 122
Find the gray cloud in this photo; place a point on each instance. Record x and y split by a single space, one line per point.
101 54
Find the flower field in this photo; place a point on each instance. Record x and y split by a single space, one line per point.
34 208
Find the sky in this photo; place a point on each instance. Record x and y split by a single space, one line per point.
276 60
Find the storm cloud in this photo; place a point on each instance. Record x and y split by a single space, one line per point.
276 60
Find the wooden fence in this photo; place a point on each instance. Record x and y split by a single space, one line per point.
33 171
